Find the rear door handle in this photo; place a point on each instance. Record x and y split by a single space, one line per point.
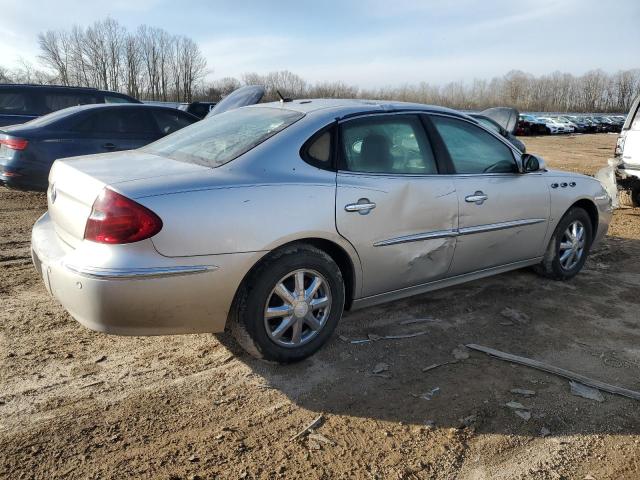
478 198
109 146
363 206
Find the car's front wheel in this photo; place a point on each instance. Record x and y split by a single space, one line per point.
289 306
569 246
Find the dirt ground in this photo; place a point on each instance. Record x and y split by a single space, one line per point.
80 404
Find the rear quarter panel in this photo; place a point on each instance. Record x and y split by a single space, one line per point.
243 218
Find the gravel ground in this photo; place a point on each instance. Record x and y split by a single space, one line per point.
80 404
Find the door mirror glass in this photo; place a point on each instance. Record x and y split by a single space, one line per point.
532 163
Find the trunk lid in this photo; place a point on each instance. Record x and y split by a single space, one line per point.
241 97
506 117
75 183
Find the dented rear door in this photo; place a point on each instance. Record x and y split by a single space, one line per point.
409 237
401 222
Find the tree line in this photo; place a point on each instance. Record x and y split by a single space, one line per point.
152 64
149 63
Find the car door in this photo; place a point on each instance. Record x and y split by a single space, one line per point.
503 214
391 203
114 128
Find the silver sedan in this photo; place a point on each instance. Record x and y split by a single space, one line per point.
270 220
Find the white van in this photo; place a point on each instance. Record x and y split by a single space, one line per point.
628 154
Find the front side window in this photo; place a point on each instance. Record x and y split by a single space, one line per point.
224 137
395 144
472 150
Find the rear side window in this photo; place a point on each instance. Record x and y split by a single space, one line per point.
13 103
116 99
119 121
317 150
224 137
169 122
395 144
57 101
472 150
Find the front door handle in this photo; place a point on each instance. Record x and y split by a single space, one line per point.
363 206
109 146
478 198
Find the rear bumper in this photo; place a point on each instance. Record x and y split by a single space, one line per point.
20 177
158 296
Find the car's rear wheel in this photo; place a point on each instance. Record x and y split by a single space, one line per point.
289 306
569 246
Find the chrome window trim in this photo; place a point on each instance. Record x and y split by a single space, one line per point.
514 151
138 273
490 227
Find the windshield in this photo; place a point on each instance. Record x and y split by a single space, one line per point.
224 137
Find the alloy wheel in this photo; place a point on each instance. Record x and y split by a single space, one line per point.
297 308
572 245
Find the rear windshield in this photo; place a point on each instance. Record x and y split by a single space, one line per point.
51 118
219 139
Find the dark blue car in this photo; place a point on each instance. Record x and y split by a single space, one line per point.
20 103
27 151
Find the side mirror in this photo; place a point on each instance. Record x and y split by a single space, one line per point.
532 163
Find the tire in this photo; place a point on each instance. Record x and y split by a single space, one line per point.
274 339
635 195
554 264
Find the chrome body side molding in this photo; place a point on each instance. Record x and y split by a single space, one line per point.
500 226
417 237
462 231
139 273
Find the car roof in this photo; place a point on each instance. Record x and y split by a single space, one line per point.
342 108
58 87
98 106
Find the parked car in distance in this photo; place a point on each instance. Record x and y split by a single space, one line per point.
199 109
553 126
530 125
569 125
20 103
27 151
272 219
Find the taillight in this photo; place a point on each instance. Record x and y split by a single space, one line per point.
118 219
14 143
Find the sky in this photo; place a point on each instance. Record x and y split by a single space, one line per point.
371 43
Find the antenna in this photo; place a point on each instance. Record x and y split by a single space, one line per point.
283 99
